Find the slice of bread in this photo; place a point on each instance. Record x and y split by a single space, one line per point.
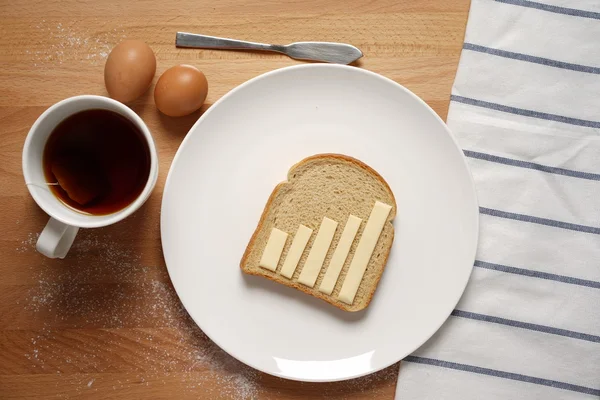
325 185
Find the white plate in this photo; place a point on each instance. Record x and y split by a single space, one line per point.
225 170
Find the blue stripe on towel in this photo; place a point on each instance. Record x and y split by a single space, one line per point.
538 220
526 325
524 112
532 59
503 374
537 274
526 164
555 9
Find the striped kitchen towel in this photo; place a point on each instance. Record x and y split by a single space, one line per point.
525 108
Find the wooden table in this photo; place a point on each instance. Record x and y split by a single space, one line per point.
105 322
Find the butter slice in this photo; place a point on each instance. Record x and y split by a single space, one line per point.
299 243
364 250
318 252
340 254
273 249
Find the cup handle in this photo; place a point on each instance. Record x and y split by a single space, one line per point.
56 239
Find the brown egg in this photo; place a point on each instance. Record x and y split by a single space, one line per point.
129 70
180 90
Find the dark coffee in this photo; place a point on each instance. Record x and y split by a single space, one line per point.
100 160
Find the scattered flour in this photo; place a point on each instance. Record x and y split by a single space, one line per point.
138 295
167 343
29 243
72 42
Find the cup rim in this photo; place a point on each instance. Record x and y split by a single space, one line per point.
94 221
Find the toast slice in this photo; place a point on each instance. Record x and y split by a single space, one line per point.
325 185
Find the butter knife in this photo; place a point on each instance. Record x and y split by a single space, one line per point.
339 53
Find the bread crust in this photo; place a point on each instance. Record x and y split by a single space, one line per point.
288 282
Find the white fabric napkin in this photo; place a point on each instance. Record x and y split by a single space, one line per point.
526 110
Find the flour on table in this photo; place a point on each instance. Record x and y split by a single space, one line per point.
28 243
140 294
141 306
73 42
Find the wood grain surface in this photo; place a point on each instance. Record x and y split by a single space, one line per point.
105 322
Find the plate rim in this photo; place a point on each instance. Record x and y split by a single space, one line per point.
359 70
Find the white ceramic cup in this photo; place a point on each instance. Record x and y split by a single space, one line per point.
58 235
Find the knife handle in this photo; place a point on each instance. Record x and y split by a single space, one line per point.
185 39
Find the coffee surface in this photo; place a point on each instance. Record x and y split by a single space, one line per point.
100 160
